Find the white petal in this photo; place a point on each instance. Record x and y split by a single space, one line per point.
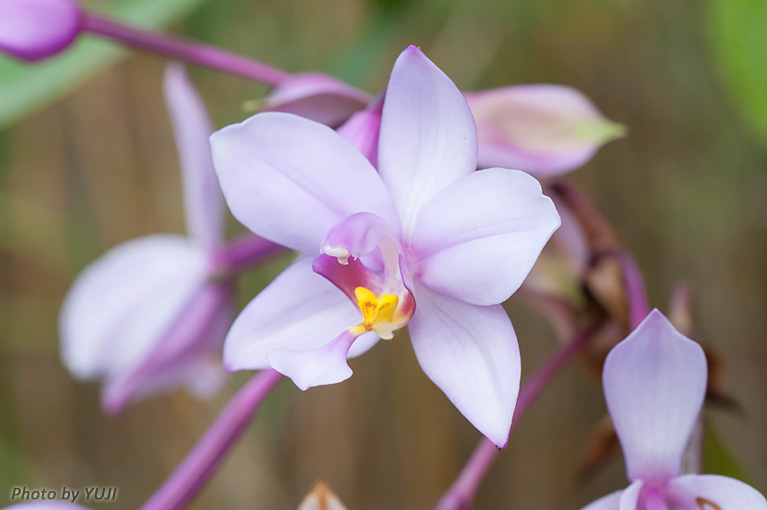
298 311
654 383
724 492
630 496
478 239
428 140
471 353
184 354
203 202
609 502
291 180
318 367
121 305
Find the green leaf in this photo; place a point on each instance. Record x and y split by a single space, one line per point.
717 458
26 87
739 42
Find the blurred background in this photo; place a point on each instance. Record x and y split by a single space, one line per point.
686 191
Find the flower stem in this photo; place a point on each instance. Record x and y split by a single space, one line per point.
635 287
461 494
605 243
243 253
183 49
190 476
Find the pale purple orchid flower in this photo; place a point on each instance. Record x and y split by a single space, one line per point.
149 316
655 383
35 29
542 129
425 240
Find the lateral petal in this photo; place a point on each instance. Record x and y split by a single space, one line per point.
185 354
654 383
631 495
478 239
122 304
291 180
470 352
299 311
609 502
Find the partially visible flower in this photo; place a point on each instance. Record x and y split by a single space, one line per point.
45 505
654 383
318 97
36 29
149 315
321 497
426 240
541 129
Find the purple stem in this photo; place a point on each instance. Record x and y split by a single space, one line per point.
191 475
183 49
460 495
635 288
604 243
244 252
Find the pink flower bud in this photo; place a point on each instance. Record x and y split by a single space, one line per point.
36 29
541 129
321 497
317 97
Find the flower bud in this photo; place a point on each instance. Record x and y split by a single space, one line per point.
541 129
317 97
321 497
36 29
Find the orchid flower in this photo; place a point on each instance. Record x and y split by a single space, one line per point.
148 315
425 240
36 29
655 383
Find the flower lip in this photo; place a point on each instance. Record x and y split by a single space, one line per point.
376 288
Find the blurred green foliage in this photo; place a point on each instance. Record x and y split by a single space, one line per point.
717 457
24 88
738 32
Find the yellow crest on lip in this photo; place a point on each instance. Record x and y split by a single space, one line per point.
377 312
